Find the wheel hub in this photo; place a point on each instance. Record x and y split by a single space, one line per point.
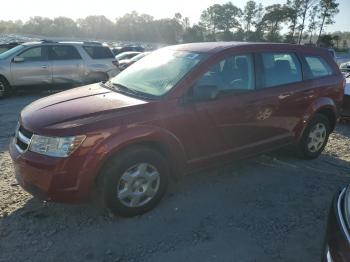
317 137
138 185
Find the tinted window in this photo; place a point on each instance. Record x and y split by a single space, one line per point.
233 73
98 52
280 69
63 52
318 66
34 54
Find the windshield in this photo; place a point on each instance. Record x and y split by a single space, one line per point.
11 52
158 72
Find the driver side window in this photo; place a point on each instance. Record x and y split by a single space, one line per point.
232 73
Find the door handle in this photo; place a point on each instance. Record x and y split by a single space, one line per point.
44 66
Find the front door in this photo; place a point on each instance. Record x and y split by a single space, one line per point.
32 67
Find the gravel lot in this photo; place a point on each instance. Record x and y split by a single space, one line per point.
268 208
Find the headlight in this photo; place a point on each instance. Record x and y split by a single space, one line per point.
55 146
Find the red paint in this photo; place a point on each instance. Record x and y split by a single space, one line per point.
194 135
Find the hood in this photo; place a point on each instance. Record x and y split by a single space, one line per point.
76 107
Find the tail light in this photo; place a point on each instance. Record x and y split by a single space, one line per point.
115 62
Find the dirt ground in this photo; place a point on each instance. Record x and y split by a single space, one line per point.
268 208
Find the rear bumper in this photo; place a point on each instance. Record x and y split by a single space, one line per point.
337 244
49 178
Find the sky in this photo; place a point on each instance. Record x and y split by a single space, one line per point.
24 9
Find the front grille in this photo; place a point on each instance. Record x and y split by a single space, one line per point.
23 138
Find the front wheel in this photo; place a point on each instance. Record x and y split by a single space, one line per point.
314 138
135 181
4 87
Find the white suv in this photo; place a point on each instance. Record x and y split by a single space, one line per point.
49 62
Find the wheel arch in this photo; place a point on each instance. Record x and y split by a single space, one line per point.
166 145
325 106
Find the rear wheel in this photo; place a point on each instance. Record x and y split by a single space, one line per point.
4 87
314 138
134 182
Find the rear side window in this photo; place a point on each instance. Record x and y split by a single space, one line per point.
280 69
318 66
63 52
98 52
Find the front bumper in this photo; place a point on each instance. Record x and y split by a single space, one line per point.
337 242
50 178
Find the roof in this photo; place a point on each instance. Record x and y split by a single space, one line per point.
212 47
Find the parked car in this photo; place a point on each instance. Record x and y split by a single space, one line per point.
126 55
346 102
337 241
176 110
121 49
48 62
8 46
345 67
127 62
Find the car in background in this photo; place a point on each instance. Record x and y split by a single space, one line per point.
346 101
179 109
55 63
345 67
337 241
126 55
127 62
130 48
8 46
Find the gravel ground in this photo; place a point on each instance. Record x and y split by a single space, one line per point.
268 208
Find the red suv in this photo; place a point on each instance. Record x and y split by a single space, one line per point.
180 108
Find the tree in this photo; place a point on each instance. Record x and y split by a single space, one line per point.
252 15
305 6
328 9
293 9
274 16
194 34
312 22
96 26
325 41
336 38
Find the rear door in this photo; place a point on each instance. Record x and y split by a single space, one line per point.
34 69
285 94
67 64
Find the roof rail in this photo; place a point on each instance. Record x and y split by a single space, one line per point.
92 43
47 41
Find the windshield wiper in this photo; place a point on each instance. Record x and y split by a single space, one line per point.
127 90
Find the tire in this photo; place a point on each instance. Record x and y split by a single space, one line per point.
4 87
134 181
319 128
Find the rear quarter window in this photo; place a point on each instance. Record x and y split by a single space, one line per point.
99 52
318 67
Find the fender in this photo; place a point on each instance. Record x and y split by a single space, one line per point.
134 135
322 103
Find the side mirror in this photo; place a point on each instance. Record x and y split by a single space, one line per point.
18 59
205 92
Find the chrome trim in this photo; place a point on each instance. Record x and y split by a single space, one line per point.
342 222
23 138
19 149
329 256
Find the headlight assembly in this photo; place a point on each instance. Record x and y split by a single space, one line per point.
55 146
